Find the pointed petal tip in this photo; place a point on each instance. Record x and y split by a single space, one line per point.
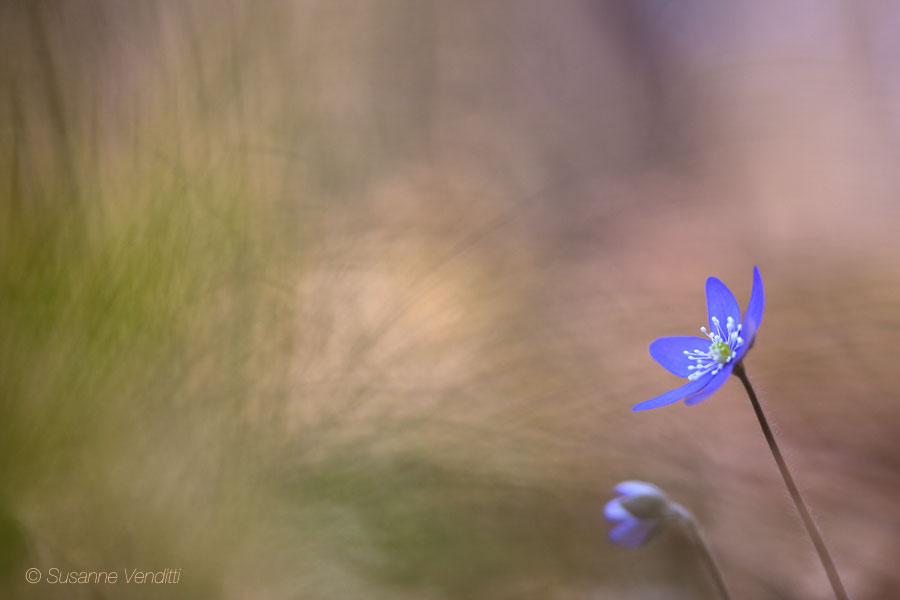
755 308
757 279
673 396
649 405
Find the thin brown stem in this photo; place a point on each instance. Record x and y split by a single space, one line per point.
706 554
808 522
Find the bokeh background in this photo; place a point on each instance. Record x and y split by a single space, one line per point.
351 299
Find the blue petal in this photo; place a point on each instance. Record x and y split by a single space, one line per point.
717 381
669 352
637 488
675 395
754 314
615 512
633 532
720 303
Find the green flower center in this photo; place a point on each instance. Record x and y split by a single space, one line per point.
720 352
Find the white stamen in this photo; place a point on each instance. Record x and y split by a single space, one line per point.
721 351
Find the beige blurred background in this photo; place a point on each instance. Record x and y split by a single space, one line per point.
333 299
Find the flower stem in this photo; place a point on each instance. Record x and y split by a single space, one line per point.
707 555
811 528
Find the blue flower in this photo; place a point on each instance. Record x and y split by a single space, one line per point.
707 362
639 512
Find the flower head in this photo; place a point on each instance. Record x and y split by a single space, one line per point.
639 512
708 361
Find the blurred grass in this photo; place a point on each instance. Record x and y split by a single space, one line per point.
148 341
318 302
135 309
127 321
